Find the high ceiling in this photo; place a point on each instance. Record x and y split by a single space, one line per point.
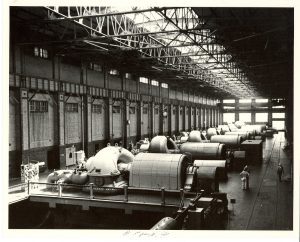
223 52
260 41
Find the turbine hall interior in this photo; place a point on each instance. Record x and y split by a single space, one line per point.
151 118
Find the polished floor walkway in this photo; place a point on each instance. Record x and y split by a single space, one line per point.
268 204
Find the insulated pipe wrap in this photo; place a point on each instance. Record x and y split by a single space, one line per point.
214 151
214 163
219 164
228 140
207 173
243 134
150 170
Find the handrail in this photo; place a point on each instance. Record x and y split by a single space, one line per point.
17 185
91 188
158 190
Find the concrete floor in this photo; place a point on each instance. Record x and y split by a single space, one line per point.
268 204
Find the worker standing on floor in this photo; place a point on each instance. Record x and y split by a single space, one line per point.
246 168
245 178
280 171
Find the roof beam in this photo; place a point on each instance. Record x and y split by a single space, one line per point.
99 15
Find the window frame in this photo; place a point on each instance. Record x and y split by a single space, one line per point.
71 108
97 108
37 106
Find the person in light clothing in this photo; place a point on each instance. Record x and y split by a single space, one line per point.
245 178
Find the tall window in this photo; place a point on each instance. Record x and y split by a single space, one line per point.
245 117
164 85
229 117
116 109
154 83
261 100
261 117
144 80
114 72
228 107
279 125
96 108
131 110
71 107
245 101
40 52
95 67
228 101
278 115
38 106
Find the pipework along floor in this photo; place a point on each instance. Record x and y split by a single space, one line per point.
268 204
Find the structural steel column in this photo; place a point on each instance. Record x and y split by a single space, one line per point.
161 119
125 125
25 134
236 110
87 123
169 110
151 119
183 117
61 129
177 117
139 120
195 117
252 111
190 109
109 120
270 112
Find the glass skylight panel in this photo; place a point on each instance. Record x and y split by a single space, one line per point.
185 18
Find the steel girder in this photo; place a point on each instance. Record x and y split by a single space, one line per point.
175 37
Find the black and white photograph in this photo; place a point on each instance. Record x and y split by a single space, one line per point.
147 119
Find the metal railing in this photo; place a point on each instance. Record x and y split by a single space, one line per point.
90 191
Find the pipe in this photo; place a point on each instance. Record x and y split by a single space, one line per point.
82 123
228 140
204 150
219 164
215 163
157 170
166 223
243 134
